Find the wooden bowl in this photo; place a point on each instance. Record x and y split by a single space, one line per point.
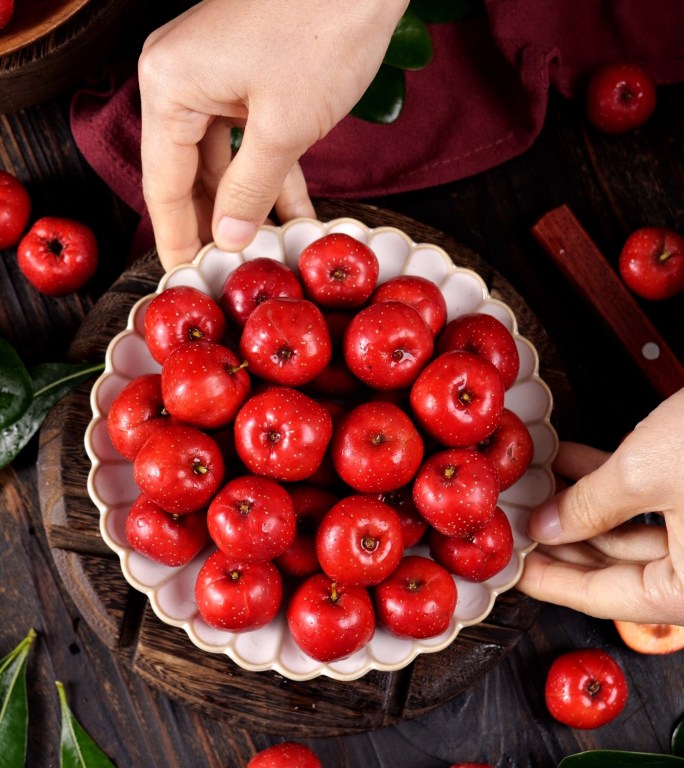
34 20
50 45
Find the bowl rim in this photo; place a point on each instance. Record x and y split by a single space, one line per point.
124 553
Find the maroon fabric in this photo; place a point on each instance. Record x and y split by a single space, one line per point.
481 100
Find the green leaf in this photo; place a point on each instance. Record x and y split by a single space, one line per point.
77 749
410 45
383 100
613 758
14 704
678 739
50 382
445 11
15 385
236 134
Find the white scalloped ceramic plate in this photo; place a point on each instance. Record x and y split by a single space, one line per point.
171 590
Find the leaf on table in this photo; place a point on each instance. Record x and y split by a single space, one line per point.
14 704
15 385
384 98
677 743
410 46
50 382
613 758
444 11
77 749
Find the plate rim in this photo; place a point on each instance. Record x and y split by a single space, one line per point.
150 592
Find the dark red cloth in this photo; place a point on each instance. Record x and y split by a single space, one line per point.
481 100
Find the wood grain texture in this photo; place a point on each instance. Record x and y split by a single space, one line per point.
32 21
163 655
613 185
48 48
575 253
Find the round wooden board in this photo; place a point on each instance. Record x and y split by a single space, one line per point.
163 655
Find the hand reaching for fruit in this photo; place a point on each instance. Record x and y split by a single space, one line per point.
286 71
592 558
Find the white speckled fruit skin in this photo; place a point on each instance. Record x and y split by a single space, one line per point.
171 590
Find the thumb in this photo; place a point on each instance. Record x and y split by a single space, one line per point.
596 503
249 188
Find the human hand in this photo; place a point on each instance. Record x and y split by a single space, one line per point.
286 70
590 557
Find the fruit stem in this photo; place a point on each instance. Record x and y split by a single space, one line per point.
232 371
593 688
465 398
449 471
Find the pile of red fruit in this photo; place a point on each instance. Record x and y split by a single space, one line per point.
313 427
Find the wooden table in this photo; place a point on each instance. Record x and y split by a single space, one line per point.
614 186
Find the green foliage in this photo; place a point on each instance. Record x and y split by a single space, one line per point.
411 44
15 386
14 704
615 758
410 48
236 134
677 744
77 749
27 396
384 99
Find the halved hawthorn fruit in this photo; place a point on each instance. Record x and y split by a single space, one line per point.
651 638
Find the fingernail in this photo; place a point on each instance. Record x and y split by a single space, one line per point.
545 523
234 234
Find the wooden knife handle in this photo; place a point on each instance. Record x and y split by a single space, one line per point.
574 252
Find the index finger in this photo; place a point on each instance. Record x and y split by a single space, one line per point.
609 490
169 169
644 592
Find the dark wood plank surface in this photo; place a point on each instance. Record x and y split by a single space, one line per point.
613 185
587 270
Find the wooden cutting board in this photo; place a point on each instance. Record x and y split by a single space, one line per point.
163 655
